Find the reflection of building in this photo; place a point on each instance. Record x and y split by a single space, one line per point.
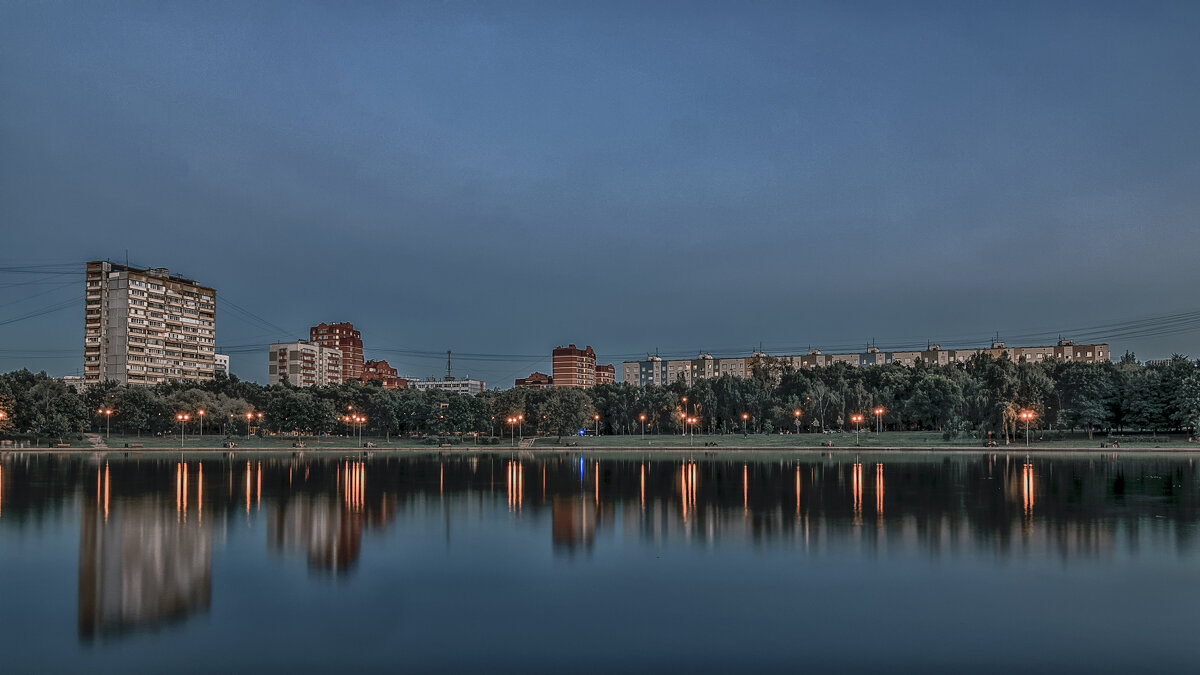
146 326
140 565
325 530
303 364
574 523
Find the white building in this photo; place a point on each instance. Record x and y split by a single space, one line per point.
451 385
304 364
146 326
221 364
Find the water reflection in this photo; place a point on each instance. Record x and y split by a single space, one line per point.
141 563
146 525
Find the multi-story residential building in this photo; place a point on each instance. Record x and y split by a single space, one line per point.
606 374
451 385
536 380
382 371
574 367
304 364
145 326
344 337
655 370
221 364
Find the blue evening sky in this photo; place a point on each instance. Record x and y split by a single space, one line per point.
498 178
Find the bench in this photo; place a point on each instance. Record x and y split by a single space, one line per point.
134 445
444 445
62 445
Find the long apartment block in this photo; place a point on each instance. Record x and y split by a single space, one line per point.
659 371
304 364
145 326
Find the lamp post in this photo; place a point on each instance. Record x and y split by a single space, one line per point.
745 421
684 415
796 414
879 419
597 426
249 416
182 427
1027 415
521 428
512 438
643 418
107 420
857 419
200 412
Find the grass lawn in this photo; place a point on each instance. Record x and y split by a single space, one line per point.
890 439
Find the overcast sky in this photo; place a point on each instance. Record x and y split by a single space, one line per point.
498 178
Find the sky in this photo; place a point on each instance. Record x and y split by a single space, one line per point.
500 178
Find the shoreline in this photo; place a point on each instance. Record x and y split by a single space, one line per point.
703 451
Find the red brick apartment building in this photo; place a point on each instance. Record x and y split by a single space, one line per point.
385 373
536 381
574 367
606 374
343 337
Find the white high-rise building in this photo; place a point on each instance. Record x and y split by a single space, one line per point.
304 364
146 326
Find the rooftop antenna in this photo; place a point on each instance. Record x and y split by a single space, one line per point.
447 364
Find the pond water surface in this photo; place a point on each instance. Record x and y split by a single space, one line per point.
500 562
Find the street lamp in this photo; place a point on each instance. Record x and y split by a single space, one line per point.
745 421
597 426
107 412
857 419
182 427
512 439
796 414
200 412
249 416
521 427
1028 416
879 419
642 417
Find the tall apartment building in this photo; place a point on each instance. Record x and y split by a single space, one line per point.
655 370
343 337
145 326
304 364
574 367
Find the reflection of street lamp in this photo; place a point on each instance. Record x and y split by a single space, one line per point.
182 428
1027 415
879 419
857 419
642 417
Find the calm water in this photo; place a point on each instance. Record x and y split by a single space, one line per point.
594 563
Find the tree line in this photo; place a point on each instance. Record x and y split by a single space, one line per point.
983 394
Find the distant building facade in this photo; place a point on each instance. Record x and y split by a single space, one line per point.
380 370
536 381
343 337
606 374
304 364
574 367
145 326
221 364
658 371
450 385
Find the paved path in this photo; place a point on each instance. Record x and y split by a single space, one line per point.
96 440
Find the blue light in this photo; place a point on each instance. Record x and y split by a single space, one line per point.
582 432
